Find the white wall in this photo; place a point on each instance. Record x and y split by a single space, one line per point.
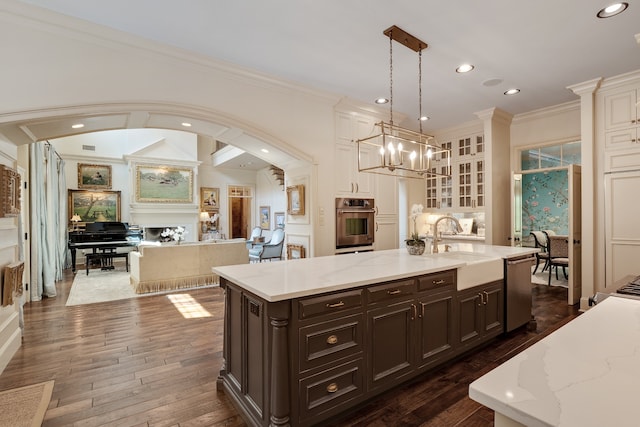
10 334
103 67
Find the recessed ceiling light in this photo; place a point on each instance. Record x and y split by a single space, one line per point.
264 150
612 10
464 68
77 126
512 91
382 101
186 124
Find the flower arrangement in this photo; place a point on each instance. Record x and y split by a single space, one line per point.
176 234
416 211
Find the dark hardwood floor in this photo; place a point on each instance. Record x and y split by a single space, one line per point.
140 362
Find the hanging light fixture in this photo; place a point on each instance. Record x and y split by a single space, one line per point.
399 151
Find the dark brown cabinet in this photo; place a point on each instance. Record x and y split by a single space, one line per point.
480 314
302 361
410 324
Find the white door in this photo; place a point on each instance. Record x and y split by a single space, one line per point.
575 234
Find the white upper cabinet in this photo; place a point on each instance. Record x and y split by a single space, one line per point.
349 181
465 188
621 110
469 146
622 119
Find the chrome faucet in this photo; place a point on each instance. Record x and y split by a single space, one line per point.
435 231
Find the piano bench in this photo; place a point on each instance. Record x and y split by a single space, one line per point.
106 258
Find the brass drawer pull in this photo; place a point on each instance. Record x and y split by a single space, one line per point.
332 388
394 292
332 339
439 282
335 305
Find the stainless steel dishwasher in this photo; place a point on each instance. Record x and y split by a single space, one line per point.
518 291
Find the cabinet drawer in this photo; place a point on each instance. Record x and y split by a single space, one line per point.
328 304
330 390
391 290
437 280
329 341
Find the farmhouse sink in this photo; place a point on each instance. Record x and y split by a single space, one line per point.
479 268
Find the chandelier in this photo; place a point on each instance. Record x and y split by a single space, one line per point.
399 151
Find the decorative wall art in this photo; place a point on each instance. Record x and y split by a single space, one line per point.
295 200
9 192
209 199
278 218
545 202
94 206
97 177
265 217
295 251
166 184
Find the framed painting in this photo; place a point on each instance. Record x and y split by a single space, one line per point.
295 200
96 177
164 184
295 251
9 192
209 199
265 217
278 217
94 206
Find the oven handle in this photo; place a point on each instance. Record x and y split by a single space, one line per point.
341 211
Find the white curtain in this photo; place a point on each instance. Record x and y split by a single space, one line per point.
48 220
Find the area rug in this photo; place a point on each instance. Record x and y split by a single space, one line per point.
25 406
542 278
102 286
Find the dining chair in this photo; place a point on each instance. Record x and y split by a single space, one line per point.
541 242
558 254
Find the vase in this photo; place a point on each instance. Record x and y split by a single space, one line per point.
416 247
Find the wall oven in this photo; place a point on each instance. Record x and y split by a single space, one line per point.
355 222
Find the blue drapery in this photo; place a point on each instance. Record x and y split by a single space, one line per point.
48 220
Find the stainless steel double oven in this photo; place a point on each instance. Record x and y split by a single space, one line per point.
355 223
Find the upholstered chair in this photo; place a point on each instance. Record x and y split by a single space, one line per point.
271 250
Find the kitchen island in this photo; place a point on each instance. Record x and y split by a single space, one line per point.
584 374
307 339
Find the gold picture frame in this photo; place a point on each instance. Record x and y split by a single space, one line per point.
209 199
164 184
9 192
94 206
96 177
295 251
265 217
295 200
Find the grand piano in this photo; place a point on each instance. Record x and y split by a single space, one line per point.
102 236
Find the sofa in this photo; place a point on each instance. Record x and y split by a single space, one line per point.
171 266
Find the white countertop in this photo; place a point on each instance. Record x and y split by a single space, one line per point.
587 373
282 280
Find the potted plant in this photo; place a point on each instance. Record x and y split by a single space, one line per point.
415 245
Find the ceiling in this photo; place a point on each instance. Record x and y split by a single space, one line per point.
540 47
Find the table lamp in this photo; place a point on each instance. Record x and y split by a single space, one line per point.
75 219
204 219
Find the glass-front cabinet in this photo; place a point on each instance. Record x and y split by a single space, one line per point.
465 188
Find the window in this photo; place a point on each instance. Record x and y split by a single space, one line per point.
550 156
